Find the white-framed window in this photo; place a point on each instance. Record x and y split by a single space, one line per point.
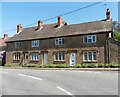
17 56
35 56
18 44
89 56
89 39
35 43
59 56
59 41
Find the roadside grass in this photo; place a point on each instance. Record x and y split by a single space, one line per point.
66 66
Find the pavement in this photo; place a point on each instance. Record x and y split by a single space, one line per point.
58 82
79 69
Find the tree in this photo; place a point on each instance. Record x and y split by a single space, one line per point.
116 36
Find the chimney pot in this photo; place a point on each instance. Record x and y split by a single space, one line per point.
59 21
19 28
108 15
5 36
40 26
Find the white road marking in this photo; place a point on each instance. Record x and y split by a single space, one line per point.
64 90
30 76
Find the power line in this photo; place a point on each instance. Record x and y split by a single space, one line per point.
59 15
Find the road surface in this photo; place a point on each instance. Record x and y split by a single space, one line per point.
57 82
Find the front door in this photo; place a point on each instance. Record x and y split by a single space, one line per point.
26 59
45 58
72 59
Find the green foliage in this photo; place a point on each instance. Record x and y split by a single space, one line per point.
89 65
116 36
31 65
8 65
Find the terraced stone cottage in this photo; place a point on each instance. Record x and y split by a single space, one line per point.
60 43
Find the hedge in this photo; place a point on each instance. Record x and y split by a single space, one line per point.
67 66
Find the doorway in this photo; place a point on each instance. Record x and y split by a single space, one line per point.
72 59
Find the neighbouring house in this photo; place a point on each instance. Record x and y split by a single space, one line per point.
60 43
3 50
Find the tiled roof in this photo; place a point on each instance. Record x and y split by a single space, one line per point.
50 30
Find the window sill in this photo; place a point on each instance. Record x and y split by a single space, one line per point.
35 46
90 42
34 60
59 60
90 61
16 60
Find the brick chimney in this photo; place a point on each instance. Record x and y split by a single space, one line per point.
59 21
19 28
108 15
40 26
5 36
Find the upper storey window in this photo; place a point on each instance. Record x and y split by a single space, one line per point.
89 39
35 43
59 41
18 44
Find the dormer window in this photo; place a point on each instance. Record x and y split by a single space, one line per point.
59 41
35 43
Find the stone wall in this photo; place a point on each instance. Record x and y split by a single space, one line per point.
72 44
114 53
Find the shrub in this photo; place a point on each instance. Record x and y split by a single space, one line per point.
114 65
8 65
100 65
90 65
84 65
31 65
78 66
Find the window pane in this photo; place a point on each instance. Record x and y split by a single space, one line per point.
59 56
63 56
94 38
60 42
63 40
90 55
89 40
85 55
85 39
56 56
94 56
56 41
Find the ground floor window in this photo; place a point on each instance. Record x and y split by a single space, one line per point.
35 56
59 56
90 56
17 56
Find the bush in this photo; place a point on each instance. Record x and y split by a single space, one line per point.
116 36
8 65
114 65
31 65
78 66
101 65
90 65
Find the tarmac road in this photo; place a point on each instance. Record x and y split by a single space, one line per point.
57 82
